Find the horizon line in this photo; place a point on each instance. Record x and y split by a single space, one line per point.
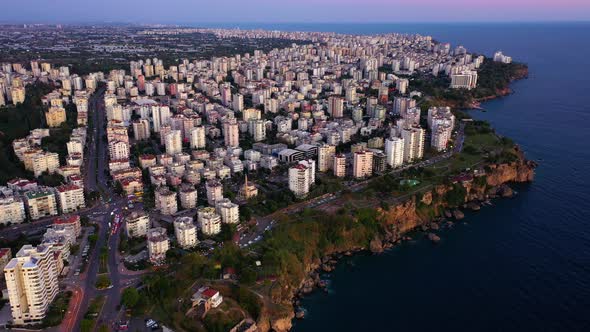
2 22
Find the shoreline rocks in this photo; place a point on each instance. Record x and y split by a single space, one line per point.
433 237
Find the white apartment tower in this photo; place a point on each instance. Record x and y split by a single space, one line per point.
339 165
299 176
197 138
362 164
209 221
137 224
174 142
229 212
231 133
185 231
31 281
141 129
166 201
336 106
413 143
214 190
394 150
158 244
326 154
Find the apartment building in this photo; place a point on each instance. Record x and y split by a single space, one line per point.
31 281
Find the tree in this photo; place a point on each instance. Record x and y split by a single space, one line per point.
227 232
119 188
130 297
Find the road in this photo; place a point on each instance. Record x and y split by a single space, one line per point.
84 284
265 223
93 180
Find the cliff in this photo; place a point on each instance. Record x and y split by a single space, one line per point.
420 210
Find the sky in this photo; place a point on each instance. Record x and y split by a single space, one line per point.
292 11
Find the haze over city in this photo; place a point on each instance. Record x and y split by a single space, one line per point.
193 11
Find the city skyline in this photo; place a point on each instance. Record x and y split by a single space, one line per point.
266 11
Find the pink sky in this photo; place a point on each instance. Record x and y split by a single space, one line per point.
300 11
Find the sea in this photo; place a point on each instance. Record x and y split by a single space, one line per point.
522 264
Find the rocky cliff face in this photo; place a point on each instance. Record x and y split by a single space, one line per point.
408 216
521 170
420 210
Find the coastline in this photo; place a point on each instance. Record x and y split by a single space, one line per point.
520 74
502 176
424 212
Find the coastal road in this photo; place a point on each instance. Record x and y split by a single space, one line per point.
266 223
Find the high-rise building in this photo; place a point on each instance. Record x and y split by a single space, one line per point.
41 203
197 138
225 92
158 244
339 165
336 106
440 115
18 94
500 57
118 150
401 85
326 154
401 105
464 80
188 196
362 164
394 150
214 190
166 201
161 116
44 162
185 232
55 116
229 212
31 281
351 96
238 102
413 143
70 198
137 224
257 128
440 136
231 133
412 116
209 221
251 114
141 129
173 142
299 176
12 210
